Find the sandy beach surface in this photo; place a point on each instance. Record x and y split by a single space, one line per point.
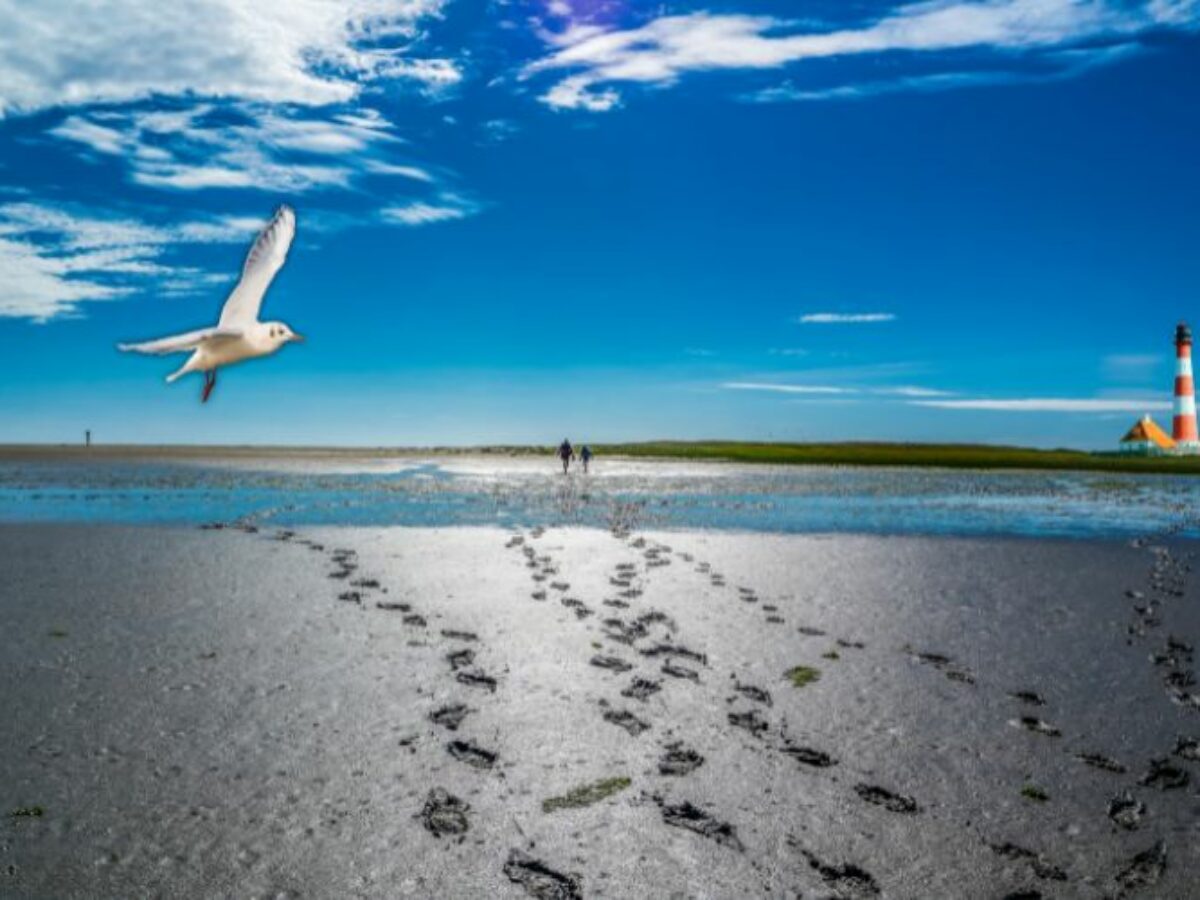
486 712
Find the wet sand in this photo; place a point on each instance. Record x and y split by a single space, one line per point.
463 712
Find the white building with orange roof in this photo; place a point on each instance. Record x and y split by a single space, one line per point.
1147 439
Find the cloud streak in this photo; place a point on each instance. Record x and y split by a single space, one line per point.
828 318
445 208
1050 404
242 147
1057 67
666 48
785 388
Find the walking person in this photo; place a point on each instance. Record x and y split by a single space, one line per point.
586 455
566 453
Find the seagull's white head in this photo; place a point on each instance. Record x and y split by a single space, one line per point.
278 333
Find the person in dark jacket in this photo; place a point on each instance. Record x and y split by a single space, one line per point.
566 453
586 455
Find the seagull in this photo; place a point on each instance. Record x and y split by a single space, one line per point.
238 334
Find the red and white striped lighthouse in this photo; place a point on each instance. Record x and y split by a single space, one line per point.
1183 426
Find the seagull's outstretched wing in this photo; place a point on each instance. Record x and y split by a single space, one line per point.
178 343
264 260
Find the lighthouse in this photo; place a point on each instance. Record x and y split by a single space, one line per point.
1183 426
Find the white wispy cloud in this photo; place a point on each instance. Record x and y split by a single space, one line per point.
445 208
434 74
785 388
1051 404
416 173
829 318
240 146
912 391
665 48
310 52
52 259
843 390
40 285
496 131
276 150
1059 66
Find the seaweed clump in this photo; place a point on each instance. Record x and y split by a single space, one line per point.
802 676
587 794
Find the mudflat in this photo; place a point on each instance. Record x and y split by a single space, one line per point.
569 712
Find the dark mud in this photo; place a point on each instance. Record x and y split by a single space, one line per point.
444 814
679 760
1165 775
1187 748
1100 761
1126 811
1041 867
393 606
1032 698
850 882
1036 725
450 716
944 664
666 649
624 632
581 609
751 720
897 803
808 756
624 719
641 689
473 756
611 663
757 694
1145 869
539 880
685 815
476 679
670 667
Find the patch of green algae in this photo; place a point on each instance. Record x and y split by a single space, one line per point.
802 676
587 794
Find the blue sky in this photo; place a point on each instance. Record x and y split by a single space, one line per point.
797 221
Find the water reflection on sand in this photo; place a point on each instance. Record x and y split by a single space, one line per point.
468 490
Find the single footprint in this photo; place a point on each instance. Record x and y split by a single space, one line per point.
897 803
